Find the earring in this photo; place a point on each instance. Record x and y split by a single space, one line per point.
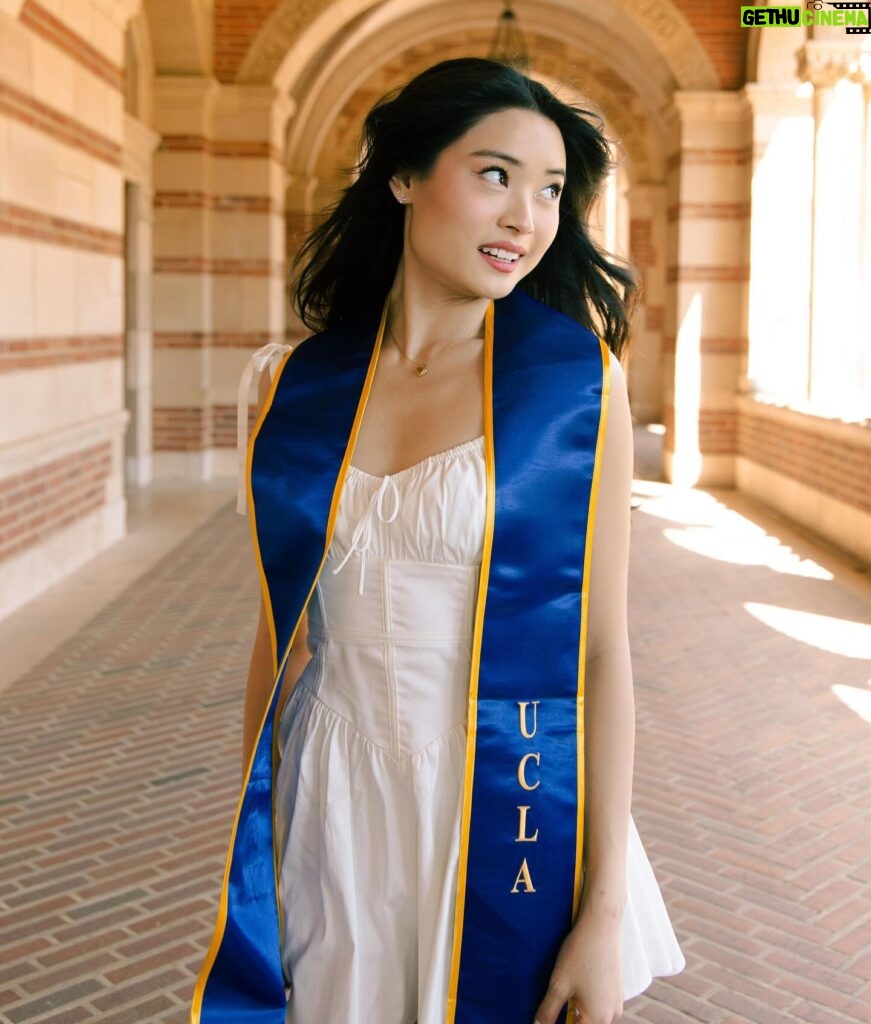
401 197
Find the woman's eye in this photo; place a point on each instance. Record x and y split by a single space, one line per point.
555 190
500 171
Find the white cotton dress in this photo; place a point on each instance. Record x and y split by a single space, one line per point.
372 744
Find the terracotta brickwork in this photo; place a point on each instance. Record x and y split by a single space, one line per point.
237 22
29 353
224 424
716 24
18 105
717 431
641 248
43 23
28 223
62 277
803 450
182 429
42 500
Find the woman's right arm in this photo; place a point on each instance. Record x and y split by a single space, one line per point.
261 671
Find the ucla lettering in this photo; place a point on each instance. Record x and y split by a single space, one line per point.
522 837
524 878
521 771
527 731
524 730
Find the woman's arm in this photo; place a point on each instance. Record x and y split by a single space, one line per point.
261 670
588 968
610 707
261 676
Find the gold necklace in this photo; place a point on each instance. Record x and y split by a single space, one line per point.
421 368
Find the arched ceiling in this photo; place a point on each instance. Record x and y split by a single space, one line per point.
631 86
181 35
298 30
323 137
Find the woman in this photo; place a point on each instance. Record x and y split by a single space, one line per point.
446 730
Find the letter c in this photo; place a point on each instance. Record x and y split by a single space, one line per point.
521 771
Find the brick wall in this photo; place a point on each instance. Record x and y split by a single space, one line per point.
717 26
237 23
48 497
61 290
801 447
715 23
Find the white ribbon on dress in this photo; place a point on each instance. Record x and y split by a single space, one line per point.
361 539
269 355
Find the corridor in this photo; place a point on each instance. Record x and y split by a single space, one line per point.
119 761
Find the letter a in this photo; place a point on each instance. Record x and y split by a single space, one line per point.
524 732
524 877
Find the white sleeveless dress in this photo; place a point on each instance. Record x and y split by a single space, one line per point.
372 743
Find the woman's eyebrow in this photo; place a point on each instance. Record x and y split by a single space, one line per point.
513 160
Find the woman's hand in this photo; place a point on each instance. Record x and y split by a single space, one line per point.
588 971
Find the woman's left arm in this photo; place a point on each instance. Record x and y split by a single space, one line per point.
588 968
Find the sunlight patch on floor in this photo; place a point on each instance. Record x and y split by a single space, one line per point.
848 638
855 698
702 524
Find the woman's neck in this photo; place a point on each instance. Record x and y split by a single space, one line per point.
423 316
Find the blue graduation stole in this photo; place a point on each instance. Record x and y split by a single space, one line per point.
522 826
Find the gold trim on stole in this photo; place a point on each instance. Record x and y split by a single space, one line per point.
471 727
221 924
582 651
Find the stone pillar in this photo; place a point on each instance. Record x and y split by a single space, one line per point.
840 197
708 214
865 331
299 221
647 249
139 145
780 242
183 279
248 254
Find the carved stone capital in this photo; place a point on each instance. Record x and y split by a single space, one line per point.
823 63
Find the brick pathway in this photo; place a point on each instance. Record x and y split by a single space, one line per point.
119 765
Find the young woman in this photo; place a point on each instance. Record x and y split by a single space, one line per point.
439 728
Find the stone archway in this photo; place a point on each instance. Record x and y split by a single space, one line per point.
298 30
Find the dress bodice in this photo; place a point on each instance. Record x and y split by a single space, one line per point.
393 610
429 512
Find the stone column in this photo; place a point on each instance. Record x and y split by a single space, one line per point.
840 196
219 272
183 277
865 331
647 249
708 215
139 145
299 220
780 242
248 255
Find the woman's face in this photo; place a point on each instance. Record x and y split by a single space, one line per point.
496 188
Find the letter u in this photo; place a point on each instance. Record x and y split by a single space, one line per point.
524 729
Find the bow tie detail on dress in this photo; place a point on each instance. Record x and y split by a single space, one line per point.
361 539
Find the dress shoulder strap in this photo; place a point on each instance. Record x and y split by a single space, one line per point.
269 355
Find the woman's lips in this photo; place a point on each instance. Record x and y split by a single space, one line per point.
501 265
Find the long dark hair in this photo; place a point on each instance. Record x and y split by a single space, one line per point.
350 259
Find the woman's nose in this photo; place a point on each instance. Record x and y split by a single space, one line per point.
518 214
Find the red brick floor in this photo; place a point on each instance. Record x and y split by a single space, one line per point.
119 762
